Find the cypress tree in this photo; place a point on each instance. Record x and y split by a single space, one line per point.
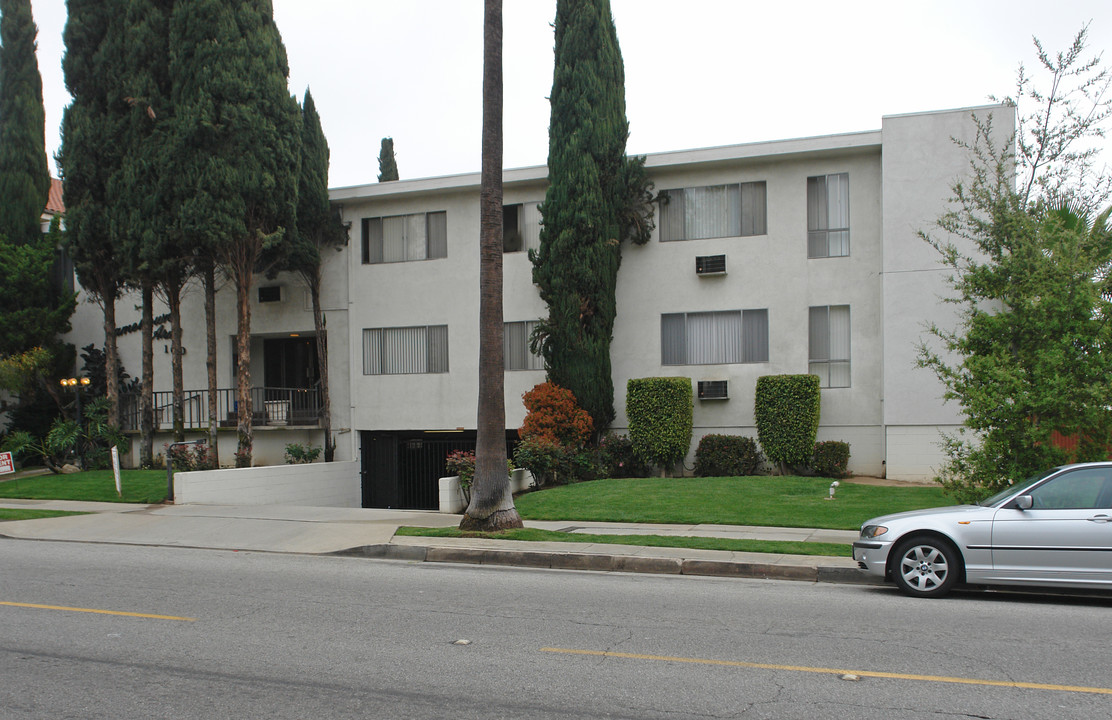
89 155
318 229
237 140
151 245
387 166
596 198
24 178
32 311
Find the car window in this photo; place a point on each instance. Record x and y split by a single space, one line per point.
1080 489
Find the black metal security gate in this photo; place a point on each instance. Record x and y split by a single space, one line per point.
403 469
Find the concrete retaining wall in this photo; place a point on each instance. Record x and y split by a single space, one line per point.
334 484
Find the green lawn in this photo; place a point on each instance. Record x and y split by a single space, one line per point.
22 514
139 486
760 500
779 547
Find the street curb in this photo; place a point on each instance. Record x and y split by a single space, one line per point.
611 563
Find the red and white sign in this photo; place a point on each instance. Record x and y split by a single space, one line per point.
6 464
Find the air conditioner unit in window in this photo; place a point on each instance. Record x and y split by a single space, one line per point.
714 390
710 265
270 294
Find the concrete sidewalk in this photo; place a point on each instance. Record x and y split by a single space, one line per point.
371 533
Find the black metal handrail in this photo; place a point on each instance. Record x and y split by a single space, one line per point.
270 407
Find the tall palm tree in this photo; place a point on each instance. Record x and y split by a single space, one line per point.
492 504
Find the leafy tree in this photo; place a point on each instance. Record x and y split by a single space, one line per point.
89 155
387 166
237 136
24 177
319 229
492 505
1029 354
596 198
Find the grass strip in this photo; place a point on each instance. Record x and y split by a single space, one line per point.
21 514
139 486
777 547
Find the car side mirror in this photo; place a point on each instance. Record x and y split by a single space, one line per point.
1024 502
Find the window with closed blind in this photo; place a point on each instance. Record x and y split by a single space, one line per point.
404 238
405 350
515 346
713 211
828 216
709 338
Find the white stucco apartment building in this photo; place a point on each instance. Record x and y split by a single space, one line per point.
789 256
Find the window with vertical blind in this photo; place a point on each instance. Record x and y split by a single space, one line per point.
515 346
405 350
709 338
403 238
521 227
828 216
713 211
828 345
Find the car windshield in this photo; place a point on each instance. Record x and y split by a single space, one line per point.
1017 487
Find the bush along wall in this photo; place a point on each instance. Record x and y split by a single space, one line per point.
787 415
660 412
831 459
727 456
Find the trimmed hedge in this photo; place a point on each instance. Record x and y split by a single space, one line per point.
727 456
831 459
660 412
787 414
617 460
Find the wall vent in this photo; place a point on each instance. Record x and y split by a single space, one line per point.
714 390
710 265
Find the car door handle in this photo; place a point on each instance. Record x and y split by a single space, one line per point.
1100 518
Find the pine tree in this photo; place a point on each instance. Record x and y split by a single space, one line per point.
596 198
387 166
24 177
318 230
228 63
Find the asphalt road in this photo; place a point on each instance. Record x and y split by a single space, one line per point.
99 631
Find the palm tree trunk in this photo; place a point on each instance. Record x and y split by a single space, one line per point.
492 504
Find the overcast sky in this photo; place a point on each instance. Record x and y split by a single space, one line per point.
699 73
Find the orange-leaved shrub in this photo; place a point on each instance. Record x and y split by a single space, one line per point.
555 416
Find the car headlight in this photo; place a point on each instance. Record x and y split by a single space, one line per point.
872 531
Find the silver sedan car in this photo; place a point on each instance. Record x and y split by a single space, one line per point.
1053 530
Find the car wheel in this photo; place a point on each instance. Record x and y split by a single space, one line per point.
926 567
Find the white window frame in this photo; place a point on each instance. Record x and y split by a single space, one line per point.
728 210
828 216
724 337
829 331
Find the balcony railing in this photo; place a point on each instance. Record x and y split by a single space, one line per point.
270 407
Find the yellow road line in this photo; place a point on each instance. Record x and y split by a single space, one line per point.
98 612
835 671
